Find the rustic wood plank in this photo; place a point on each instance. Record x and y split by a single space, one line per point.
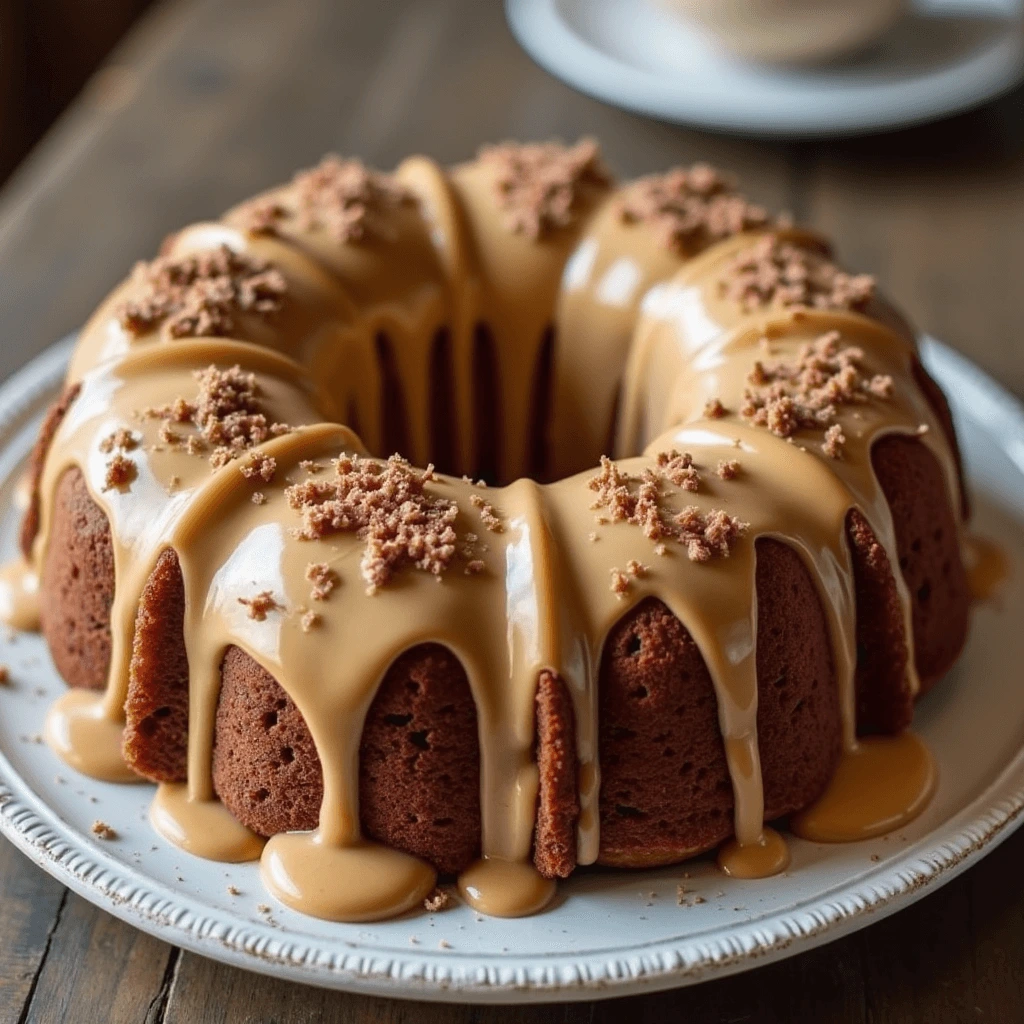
98 969
30 902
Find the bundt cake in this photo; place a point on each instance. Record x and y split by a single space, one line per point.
526 656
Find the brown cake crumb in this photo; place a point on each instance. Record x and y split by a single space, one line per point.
310 465
5 675
388 506
259 465
102 830
488 516
475 566
728 469
689 209
620 583
714 410
806 393
538 185
773 272
259 498
834 442
680 470
229 416
342 197
201 294
707 535
234 890
260 605
636 569
439 899
122 439
120 472
323 578
637 500
309 621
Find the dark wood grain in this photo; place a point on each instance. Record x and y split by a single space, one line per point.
98 969
209 101
29 904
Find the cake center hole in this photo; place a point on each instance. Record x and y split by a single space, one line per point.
483 447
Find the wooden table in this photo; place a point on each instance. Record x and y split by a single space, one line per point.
209 101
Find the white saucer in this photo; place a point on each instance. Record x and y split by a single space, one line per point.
947 56
609 933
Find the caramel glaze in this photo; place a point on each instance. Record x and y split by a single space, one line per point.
625 310
988 567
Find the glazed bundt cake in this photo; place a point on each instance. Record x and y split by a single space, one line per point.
526 656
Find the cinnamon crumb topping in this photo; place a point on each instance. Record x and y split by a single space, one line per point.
102 830
342 197
714 410
620 583
121 438
388 506
807 393
637 500
538 185
309 621
257 464
772 272
323 578
120 472
834 442
728 469
201 294
488 516
229 416
260 605
679 469
438 900
707 534
689 209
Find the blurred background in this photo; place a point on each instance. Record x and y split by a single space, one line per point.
48 49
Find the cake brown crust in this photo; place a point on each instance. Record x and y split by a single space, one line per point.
156 709
54 417
928 544
77 585
884 699
558 806
419 761
266 770
665 788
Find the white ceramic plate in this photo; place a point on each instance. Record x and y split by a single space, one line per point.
945 57
608 933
